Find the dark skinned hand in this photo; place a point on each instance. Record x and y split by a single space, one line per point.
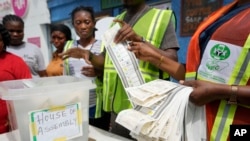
76 53
126 33
202 91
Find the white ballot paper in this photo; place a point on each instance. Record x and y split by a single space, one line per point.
164 113
161 109
124 61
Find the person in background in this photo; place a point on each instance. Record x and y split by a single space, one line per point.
135 26
60 34
30 53
12 67
83 21
217 67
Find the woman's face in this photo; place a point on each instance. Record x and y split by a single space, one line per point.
83 24
1 44
58 39
15 29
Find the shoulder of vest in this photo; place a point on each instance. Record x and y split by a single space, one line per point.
155 11
68 44
164 10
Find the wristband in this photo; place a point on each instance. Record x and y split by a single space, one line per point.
233 96
161 60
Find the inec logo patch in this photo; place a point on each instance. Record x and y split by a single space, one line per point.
218 61
220 52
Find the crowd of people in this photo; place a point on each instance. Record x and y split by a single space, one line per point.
217 64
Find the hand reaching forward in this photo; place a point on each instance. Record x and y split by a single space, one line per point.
76 53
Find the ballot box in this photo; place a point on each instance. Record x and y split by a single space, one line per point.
48 108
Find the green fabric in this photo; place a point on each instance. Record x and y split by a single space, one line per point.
99 97
66 61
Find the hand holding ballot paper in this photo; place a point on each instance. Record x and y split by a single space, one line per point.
124 61
161 109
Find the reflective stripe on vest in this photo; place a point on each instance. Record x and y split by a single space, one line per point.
155 37
190 76
226 112
153 34
66 61
99 97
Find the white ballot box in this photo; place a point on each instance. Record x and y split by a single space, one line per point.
51 108
95 134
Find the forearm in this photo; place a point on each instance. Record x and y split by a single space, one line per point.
173 68
167 61
243 95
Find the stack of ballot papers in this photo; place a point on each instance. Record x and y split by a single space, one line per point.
163 113
161 109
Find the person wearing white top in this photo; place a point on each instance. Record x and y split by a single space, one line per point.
30 53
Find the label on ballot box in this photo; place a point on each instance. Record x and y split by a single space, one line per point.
239 132
56 123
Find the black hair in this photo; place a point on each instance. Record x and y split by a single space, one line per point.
82 8
5 36
63 28
10 18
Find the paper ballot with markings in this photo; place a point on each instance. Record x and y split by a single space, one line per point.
161 109
169 116
124 61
